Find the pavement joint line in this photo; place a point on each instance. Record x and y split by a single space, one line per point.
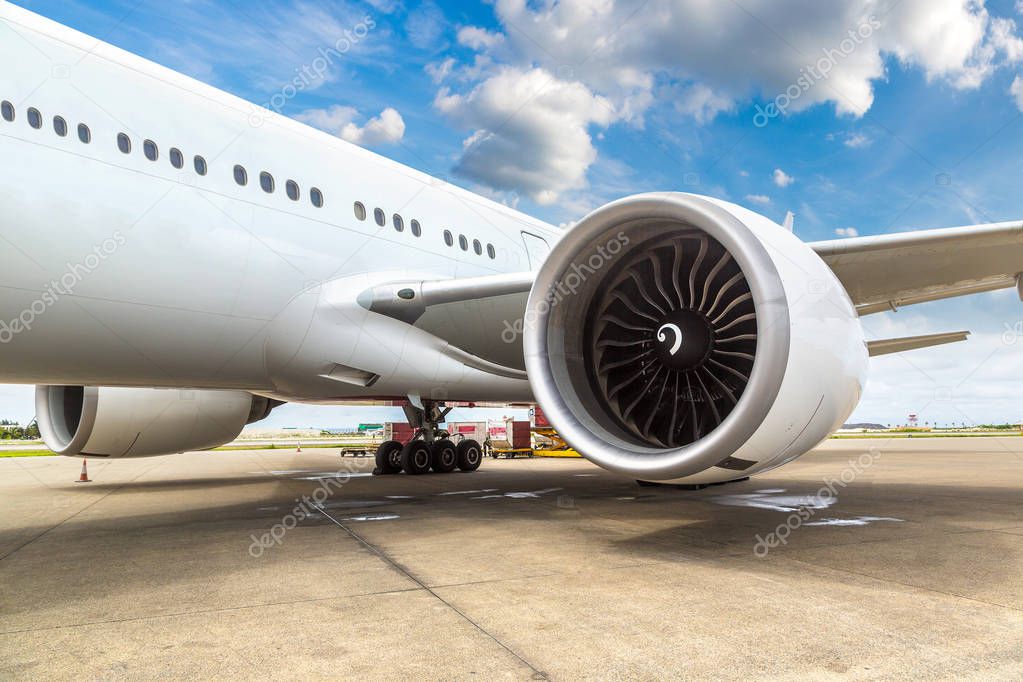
539 674
199 612
909 585
80 511
494 581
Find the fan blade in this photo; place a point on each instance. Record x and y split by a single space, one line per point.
696 267
710 278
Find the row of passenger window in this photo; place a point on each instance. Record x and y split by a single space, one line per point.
152 152
269 185
60 126
463 243
35 119
266 181
380 218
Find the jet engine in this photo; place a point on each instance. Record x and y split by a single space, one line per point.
672 337
142 422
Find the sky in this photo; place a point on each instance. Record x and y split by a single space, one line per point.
862 117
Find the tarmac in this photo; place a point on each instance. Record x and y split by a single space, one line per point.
865 559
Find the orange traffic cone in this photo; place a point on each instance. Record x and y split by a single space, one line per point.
299 448
84 477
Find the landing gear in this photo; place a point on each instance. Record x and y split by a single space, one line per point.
388 458
415 457
470 455
429 448
445 456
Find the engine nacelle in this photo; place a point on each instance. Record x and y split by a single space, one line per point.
142 422
672 337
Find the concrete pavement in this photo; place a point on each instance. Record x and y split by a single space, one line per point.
526 569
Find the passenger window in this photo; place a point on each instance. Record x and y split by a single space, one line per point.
7 109
360 210
477 247
317 197
177 159
240 176
491 252
379 217
150 149
266 181
200 165
84 134
292 189
448 238
417 229
463 242
35 119
399 224
123 143
60 126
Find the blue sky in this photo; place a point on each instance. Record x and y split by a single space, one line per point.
558 108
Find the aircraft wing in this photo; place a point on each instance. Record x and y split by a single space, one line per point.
885 272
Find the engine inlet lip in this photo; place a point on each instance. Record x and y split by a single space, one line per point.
554 388
49 407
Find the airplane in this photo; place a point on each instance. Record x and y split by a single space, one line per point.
177 262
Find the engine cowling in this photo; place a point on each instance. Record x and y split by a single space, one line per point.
142 422
672 337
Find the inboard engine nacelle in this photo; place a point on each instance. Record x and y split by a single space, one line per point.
672 337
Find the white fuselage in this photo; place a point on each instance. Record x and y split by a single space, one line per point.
120 270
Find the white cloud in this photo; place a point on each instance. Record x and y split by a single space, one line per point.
759 199
387 128
847 232
426 26
329 120
1016 90
702 103
439 71
266 48
963 382
530 131
622 53
385 6
477 38
857 141
781 178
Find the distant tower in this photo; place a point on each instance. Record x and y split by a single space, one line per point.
913 421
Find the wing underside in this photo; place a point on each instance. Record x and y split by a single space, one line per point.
885 272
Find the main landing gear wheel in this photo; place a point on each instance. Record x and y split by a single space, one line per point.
444 457
470 455
415 457
388 458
